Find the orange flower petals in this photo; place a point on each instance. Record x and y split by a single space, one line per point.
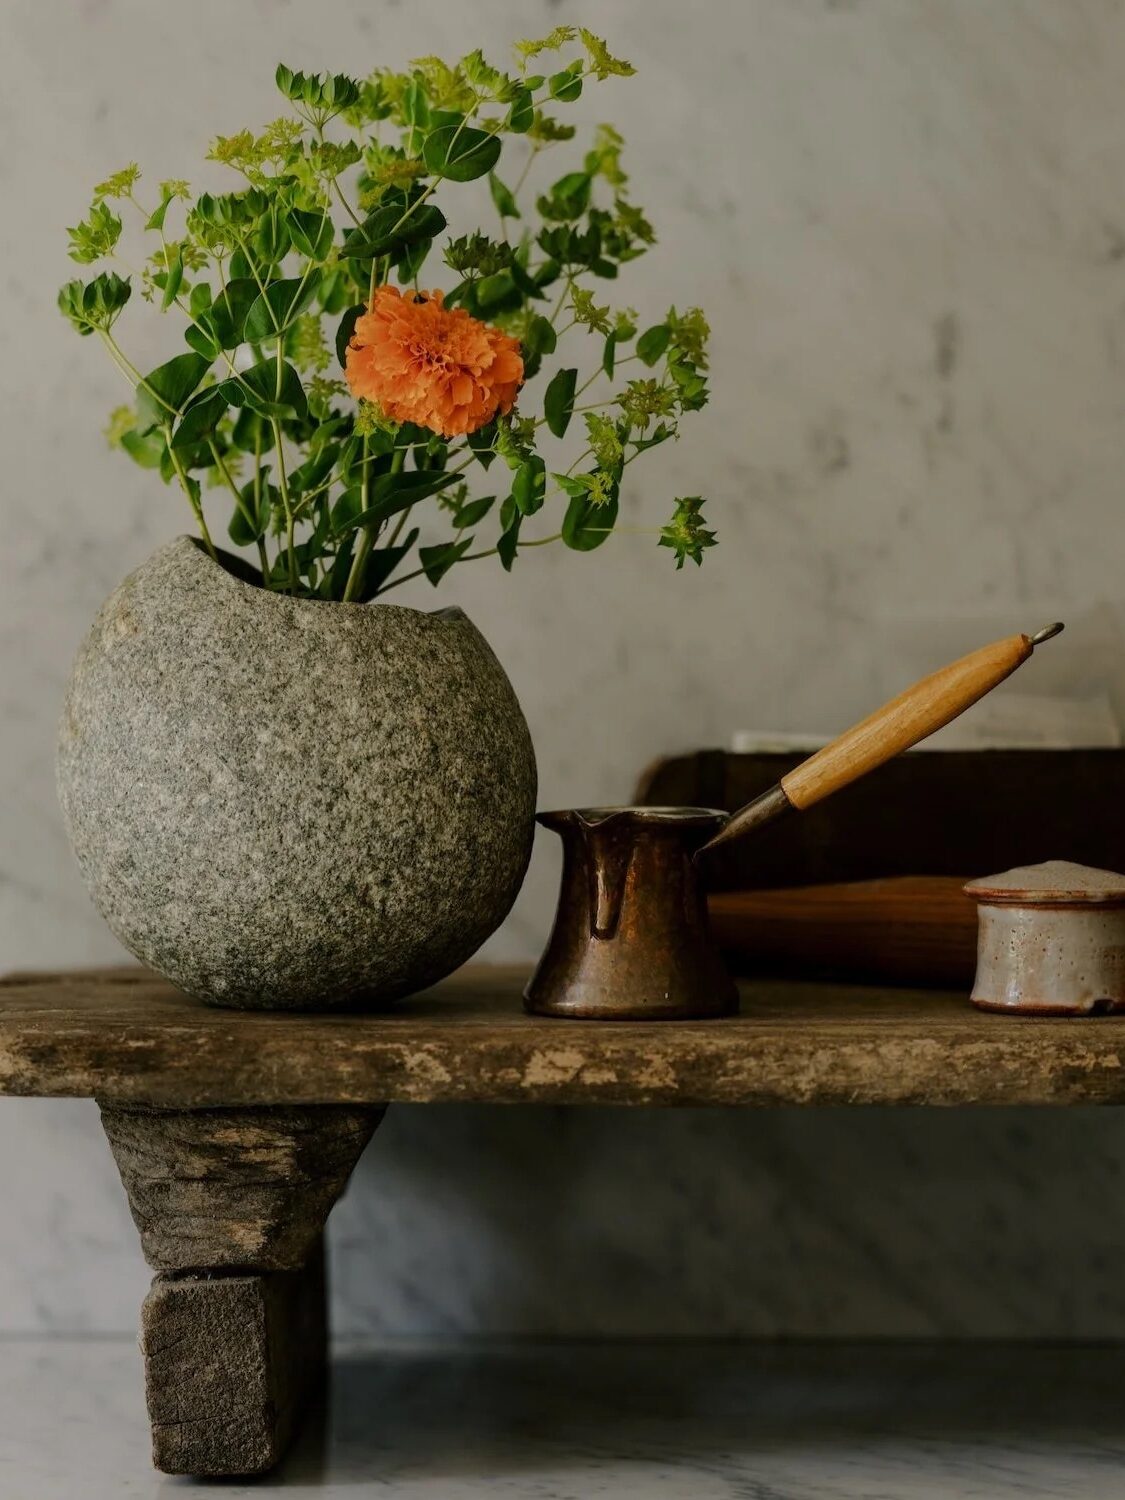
419 361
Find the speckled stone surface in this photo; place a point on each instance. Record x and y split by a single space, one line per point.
288 803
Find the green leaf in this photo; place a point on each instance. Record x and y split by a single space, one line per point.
146 450
165 390
382 562
569 198
173 280
258 389
525 283
251 434
461 153
347 510
685 533
558 400
201 416
473 512
412 259
521 115
335 581
570 486
346 329
251 520
601 61
392 227
529 487
311 232
96 236
503 198
276 308
221 324
586 525
609 354
271 238
95 304
481 442
493 291
414 107
437 561
227 314
541 337
156 219
201 341
390 493
315 469
508 544
653 342
335 291
567 85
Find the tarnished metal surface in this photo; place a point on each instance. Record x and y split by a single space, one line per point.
631 939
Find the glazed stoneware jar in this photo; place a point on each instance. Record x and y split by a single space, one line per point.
1051 940
286 803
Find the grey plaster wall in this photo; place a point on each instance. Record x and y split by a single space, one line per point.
906 218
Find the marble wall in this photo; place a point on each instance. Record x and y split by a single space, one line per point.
906 220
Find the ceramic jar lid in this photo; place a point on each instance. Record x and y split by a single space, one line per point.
1058 882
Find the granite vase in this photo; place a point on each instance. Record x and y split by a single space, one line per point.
285 803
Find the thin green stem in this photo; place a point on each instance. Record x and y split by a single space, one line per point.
562 298
240 503
130 371
535 150
344 204
248 258
262 550
354 585
542 541
193 501
586 384
287 504
396 531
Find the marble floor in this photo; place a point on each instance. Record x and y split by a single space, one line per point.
639 1422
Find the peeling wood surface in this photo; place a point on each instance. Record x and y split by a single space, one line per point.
126 1037
251 1188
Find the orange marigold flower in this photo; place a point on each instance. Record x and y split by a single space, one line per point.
422 362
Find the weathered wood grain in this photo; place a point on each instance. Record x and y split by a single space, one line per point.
906 930
129 1038
230 1362
231 1206
250 1188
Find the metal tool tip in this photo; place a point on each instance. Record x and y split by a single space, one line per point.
1046 633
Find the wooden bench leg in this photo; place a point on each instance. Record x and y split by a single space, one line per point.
231 1206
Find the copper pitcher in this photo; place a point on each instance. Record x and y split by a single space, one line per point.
631 939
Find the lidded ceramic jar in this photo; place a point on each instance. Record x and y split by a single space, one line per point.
1051 940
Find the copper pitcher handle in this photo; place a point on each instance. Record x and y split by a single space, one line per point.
607 870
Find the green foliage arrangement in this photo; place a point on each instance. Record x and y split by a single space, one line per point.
277 281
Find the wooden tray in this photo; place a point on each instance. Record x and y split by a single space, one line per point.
912 929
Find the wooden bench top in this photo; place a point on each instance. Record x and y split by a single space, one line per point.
125 1036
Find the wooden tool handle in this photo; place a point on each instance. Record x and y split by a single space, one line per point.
905 720
902 722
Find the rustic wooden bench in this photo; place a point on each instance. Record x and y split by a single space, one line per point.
235 1132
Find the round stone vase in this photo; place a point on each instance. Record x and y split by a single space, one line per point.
285 803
